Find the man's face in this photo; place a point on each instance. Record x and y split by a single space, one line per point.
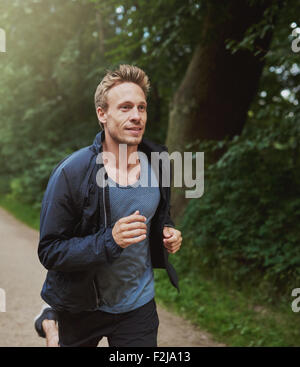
126 116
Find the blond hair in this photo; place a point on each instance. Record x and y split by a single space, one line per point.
125 73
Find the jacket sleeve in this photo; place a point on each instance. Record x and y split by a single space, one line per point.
58 250
168 220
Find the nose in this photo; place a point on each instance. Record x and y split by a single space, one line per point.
135 115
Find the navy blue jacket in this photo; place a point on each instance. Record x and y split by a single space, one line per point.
76 231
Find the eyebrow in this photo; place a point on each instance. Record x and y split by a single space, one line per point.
130 102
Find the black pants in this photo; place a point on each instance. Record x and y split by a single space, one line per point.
137 328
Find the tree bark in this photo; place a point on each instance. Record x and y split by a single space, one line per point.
214 96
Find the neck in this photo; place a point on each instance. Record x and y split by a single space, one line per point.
125 156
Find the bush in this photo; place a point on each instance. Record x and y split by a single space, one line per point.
246 223
29 187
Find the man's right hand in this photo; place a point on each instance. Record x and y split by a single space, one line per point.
130 230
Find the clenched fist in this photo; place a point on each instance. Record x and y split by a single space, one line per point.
172 239
130 230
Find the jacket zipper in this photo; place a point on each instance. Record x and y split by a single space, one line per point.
97 294
105 219
105 224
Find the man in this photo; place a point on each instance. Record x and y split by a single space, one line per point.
102 231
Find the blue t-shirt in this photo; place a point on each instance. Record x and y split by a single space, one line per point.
128 282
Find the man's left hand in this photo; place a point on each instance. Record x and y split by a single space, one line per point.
172 239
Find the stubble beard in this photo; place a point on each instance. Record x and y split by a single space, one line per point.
128 140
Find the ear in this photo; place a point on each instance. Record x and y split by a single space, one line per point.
102 116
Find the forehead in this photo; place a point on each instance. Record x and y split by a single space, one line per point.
126 92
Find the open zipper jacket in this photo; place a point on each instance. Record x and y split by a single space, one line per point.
76 232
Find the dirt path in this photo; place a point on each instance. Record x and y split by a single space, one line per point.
22 276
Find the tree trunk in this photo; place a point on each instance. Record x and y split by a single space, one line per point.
214 96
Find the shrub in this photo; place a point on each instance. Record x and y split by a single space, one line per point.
246 223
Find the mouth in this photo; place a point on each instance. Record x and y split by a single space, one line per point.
134 130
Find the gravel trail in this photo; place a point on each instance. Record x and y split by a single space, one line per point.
22 276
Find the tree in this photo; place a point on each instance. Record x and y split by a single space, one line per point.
220 83
48 78
205 60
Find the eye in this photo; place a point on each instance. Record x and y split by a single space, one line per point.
142 108
125 107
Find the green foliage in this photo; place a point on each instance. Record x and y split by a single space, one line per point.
57 53
246 224
244 228
47 88
235 317
158 36
23 212
29 187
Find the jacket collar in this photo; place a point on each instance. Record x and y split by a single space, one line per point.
146 145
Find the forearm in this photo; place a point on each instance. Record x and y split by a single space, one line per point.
78 253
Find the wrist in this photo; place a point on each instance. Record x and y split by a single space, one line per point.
49 326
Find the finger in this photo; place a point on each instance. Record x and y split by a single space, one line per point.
168 232
171 239
137 212
174 249
173 245
134 225
133 218
134 233
175 236
131 241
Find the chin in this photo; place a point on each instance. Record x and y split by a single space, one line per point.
126 139
131 140
135 141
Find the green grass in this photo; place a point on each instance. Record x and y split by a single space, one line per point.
24 212
235 317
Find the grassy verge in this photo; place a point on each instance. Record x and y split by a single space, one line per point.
24 212
235 317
